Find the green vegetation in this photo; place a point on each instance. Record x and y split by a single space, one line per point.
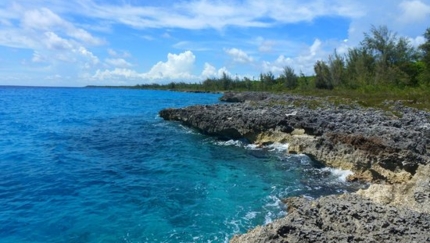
383 67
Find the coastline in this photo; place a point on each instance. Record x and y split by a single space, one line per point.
388 148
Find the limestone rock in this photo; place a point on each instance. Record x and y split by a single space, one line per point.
413 194
344 218
375 145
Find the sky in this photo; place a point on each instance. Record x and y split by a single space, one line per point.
127 42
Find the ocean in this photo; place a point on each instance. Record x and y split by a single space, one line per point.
99 165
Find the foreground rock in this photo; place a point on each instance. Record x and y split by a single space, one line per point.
414 194
345 218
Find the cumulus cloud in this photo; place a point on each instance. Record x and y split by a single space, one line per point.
416 42
210 71
303 62
239 55
177 67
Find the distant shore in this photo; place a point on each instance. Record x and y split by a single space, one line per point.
388 148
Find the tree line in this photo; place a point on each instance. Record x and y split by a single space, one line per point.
381 59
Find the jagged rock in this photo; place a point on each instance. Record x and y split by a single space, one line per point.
376 146
243 96
344 218
414 194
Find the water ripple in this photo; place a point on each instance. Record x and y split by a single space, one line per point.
99 165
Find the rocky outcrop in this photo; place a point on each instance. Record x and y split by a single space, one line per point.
413 194
376 145
389 148
344 218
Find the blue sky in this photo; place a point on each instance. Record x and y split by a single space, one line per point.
128 42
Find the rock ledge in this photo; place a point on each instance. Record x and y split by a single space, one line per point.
388 148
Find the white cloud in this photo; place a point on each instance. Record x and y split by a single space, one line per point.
46 20
416 42
54 32
37 57
41 19
315 47
118 54
303 62
118 73
239 55
202 14
414 11
148 37
406 17
112 52
266 45
88 55
278 65
118 62
177 66
54 42
210 71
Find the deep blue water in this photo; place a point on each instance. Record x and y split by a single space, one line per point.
99 165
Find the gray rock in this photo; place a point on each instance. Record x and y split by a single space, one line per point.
344 218
371 142
376 145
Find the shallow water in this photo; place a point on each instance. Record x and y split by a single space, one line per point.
99 165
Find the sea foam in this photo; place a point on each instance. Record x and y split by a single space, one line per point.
339 173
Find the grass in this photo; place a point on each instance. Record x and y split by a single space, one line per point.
377 97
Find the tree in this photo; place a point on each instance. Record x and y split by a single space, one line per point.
226 81
425 48
425 57
322 78
392 54
360 67
289 78
267 80
337 69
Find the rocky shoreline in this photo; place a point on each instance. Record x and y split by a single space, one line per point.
389 148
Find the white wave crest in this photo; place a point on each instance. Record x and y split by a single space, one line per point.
341 174
250 215
278 147
230 142
274 205
253 147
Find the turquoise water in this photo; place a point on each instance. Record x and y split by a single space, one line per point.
99 165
